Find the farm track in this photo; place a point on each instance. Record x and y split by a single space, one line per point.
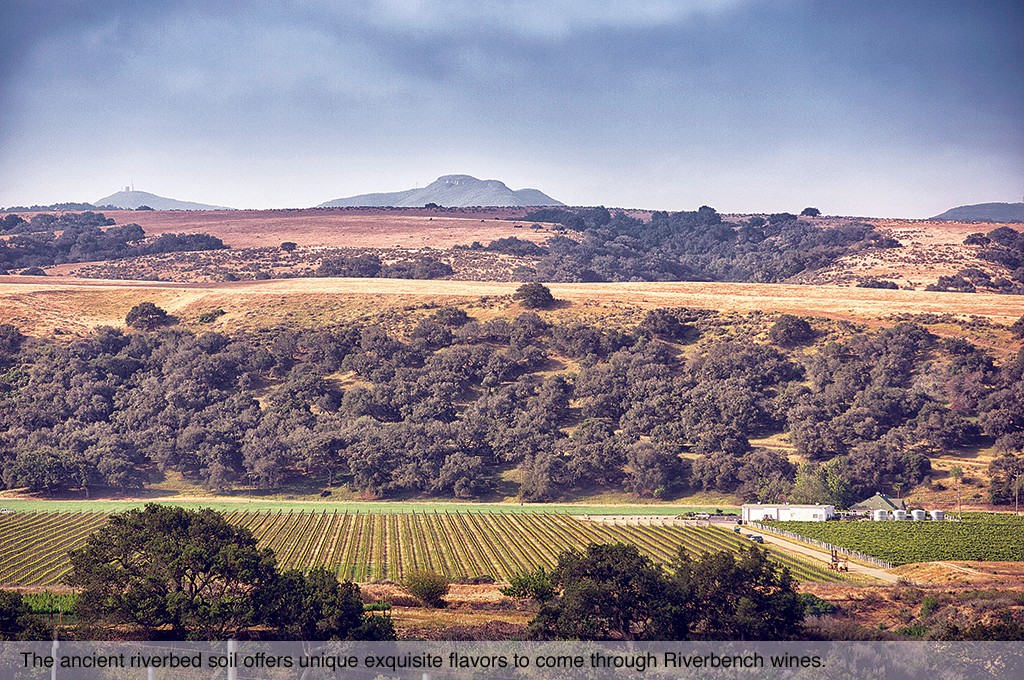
377 546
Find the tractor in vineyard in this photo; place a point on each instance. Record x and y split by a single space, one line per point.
839 562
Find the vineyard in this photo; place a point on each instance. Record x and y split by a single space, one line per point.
384 546
985 538
34 546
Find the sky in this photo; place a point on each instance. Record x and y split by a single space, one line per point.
882 108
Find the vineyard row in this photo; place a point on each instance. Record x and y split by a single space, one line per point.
382 546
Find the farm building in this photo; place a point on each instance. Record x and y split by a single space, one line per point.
784 512
879 501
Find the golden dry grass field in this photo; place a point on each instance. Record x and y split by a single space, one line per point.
39 305
337 227
930 249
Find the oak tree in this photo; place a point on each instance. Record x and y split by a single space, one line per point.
165 565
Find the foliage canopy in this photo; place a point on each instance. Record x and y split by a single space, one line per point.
192 571
534 296
614 592
429 587
146 316
165 565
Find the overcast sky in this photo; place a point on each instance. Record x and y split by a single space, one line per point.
872 108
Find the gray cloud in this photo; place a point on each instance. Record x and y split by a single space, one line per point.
745 101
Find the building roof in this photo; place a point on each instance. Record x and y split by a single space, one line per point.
785 505
880 501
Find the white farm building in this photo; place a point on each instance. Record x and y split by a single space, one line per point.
784 512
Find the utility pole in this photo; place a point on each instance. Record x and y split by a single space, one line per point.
957 473
1016 494
522 480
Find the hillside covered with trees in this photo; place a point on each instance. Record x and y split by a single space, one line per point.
35 243
694 246
568 245
443 404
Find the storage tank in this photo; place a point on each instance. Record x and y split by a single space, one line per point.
918 515
880 515
938 516
899 515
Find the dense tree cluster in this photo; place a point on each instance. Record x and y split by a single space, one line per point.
510 246
82 238
615 592
878 283
456 406
1004 248
57 207
16 224
189 574
17 621
370 266
693 246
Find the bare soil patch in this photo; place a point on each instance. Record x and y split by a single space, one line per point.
474 612
973 574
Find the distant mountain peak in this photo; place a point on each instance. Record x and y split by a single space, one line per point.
131 200
456 179
451 191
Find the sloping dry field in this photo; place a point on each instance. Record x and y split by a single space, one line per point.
75 305
338 227
38 305
925 241
930 249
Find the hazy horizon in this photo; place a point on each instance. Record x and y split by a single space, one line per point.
868 109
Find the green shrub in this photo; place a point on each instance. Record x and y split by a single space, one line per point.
535 584
815 606
917 630
211 316
534 296
146 316
428 587
928 604
790 330
50 603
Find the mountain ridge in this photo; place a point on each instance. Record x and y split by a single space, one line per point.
450 191
132 200
984 212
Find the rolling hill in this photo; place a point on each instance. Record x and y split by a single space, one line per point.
985 212
132 200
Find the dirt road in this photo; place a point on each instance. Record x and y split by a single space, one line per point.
818 557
